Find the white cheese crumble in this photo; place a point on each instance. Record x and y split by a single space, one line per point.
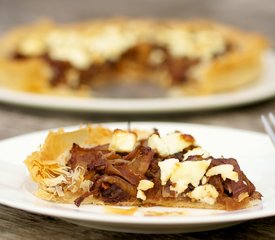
82 49
205 193
166 168
141 195
182 173
156 143
111 43
188 172
123 141
202 44
225 170
143 185
204 180
32 46
97 44
68 46
169 144
196 151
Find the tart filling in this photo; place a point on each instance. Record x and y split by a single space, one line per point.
75 61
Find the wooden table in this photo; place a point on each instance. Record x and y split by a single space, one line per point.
249 14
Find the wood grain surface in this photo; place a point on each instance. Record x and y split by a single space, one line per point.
248 14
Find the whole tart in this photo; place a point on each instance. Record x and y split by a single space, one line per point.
194 57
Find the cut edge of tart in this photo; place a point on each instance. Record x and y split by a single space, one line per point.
96 165
194 57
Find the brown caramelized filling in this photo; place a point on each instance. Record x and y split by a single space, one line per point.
115 176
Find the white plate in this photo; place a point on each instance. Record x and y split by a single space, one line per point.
259 91
254 152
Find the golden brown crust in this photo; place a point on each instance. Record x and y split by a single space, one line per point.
239 66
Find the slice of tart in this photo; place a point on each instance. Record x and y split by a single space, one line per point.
193 57
96 165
